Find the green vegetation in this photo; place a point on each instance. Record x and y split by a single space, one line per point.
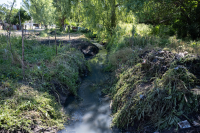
22 106
27 99
153 56
146 93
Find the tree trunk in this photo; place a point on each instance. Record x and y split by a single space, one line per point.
19 21
113 15
69 32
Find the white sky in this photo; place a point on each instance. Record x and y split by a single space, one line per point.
17 3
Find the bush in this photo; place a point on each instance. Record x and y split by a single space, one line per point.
43 34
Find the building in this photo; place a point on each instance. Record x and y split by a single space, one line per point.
30 24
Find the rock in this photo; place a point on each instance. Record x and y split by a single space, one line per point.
90 50
87 48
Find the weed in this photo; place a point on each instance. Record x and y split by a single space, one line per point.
29 103
26 107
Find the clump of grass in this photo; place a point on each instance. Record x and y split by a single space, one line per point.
161 100
43 34
161 104
25 107
123 57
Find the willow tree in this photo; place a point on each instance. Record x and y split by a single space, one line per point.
64 10
102 15
182 15
42 11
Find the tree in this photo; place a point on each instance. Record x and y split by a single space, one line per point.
182 15
103 16
3 12
24 16
42 11
66 10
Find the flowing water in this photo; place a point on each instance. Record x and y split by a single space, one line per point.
92 114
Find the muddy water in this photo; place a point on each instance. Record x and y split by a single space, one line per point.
92 113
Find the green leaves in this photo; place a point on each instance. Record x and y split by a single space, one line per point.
42 11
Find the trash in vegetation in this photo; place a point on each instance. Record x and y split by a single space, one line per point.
181 55
161 58
184 124
178 67
171 85
196 123
144 61
142 96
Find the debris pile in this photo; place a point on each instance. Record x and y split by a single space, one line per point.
158 91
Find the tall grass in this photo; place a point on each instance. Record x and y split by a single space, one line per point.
145 96
26 101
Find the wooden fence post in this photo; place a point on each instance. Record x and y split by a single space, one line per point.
25 29
55 43
69 32
23 51
49 40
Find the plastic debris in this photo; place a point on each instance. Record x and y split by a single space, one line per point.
184 124
142 96
161 58
161 52
181 55
196 123
144 61
176 68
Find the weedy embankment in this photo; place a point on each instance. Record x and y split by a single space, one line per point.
26 103
155 81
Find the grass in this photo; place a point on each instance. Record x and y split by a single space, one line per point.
22 106
27 99
143 94
144 98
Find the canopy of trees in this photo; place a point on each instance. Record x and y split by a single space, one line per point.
42 11
24 16
14 16
104 15
182 15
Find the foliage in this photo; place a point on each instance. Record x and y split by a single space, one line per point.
24 16
22 106
42 11
161 103
181 15
3 12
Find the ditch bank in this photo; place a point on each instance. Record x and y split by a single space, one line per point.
156 91
91 111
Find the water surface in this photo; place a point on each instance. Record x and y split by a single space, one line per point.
92 114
